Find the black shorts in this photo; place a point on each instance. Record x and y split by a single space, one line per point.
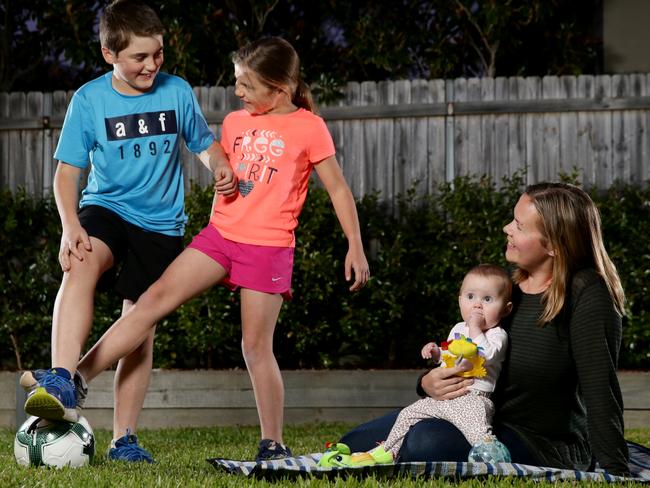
140 256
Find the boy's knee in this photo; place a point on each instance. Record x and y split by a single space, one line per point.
86 271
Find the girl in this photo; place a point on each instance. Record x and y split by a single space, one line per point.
273 144
558 402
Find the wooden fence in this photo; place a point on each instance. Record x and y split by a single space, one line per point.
390 134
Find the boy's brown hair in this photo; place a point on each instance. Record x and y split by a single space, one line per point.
125 18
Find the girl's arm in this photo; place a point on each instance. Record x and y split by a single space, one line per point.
339 192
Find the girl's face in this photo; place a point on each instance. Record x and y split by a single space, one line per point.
525 241
136 66
259 98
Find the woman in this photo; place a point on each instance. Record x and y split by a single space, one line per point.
558 402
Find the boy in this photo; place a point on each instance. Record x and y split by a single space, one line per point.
128 124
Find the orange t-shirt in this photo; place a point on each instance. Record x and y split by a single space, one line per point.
273 156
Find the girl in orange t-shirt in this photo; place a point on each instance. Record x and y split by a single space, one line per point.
273 144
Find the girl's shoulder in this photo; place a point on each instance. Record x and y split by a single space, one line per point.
301 119
237 114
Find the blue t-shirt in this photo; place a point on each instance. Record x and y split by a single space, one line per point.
133 144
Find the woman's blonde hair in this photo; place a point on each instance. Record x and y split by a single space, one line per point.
277 64
570 226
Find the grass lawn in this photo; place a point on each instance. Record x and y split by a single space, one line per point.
180 462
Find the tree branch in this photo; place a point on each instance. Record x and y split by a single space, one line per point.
490 67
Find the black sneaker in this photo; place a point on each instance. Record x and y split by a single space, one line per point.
270 450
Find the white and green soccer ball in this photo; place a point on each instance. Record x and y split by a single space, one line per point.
57 444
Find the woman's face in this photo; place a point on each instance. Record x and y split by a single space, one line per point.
525 241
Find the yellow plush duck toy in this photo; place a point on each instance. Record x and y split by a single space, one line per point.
462 350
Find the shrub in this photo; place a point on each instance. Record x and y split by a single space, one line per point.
419 249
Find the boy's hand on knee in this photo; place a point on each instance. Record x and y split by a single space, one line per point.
74 242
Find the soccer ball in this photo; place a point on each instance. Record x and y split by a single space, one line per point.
489 451
58 444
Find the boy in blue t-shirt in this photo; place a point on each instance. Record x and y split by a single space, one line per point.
128 125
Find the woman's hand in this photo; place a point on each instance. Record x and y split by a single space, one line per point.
442 384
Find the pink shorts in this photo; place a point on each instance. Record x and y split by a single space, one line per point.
261 268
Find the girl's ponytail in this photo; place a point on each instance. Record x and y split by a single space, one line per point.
302 97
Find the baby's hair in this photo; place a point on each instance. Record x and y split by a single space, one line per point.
487 270
122 19
277 64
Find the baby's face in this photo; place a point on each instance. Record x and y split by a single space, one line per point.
483 295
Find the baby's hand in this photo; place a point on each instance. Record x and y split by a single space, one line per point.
476 319
431 351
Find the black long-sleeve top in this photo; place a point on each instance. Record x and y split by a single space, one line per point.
558 388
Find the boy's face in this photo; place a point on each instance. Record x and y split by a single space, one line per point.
482 297
135 67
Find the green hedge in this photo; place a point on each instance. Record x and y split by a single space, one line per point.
419 250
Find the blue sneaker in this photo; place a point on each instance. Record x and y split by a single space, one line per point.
54 398
126 448
29 381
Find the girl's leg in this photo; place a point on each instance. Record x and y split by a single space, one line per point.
259 313
189 274
131 383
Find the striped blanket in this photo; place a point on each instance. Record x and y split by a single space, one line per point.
308 465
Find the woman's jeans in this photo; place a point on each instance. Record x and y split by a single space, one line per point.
432 440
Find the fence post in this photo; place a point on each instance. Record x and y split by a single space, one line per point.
449 131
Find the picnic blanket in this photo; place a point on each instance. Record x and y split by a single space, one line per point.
308 465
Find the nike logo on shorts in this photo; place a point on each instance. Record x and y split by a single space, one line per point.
276 279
